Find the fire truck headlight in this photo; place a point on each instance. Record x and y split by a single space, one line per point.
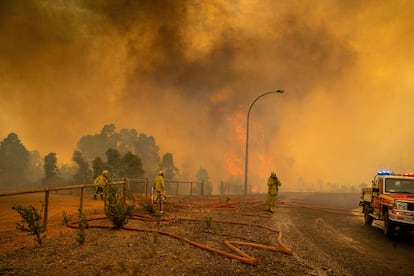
400 205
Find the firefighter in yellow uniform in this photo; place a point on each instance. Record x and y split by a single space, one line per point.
101 181
159 183
273 184
159 189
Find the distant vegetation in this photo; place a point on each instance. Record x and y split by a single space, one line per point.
125 153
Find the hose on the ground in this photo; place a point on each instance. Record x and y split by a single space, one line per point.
228 206
240 255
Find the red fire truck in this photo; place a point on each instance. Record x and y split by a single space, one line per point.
390 199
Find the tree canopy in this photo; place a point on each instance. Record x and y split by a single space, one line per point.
83 174
202 176
167 165
118 144
52 177
126 166
14 159
125 153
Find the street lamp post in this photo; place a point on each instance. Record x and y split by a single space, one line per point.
247 138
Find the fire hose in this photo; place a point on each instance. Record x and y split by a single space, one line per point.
238 253
240 256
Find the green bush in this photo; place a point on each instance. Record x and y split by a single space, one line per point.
117 210
65 219
33 218
82 224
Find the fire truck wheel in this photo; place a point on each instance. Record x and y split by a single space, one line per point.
367 218
389 226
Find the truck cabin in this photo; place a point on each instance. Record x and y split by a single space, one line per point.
392 183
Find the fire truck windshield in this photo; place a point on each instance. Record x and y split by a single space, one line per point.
399 185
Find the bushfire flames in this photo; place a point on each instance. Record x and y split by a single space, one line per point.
261 163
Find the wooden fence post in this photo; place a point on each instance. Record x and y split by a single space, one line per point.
124 188
176 189
106 187
81 203
146 188
46 211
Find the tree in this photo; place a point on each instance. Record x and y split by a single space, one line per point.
93 146
124 141
83 174
34 171
114 162
98 166
170 171
51 171
202 176
167 165
14 158
147 149
131 166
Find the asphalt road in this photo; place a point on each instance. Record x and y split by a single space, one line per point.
334 242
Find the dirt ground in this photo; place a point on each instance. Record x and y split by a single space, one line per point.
189 239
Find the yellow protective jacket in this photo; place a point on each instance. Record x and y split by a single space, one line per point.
101 180
159 183
273 184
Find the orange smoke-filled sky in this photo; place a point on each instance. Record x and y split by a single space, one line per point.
186 72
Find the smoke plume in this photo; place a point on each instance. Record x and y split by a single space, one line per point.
186 72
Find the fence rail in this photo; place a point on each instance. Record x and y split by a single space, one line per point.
134 185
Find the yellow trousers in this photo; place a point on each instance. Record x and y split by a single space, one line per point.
271 202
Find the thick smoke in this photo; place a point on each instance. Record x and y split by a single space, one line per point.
187 71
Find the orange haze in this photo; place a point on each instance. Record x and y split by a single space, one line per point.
187 71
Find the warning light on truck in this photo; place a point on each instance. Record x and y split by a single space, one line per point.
384 172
